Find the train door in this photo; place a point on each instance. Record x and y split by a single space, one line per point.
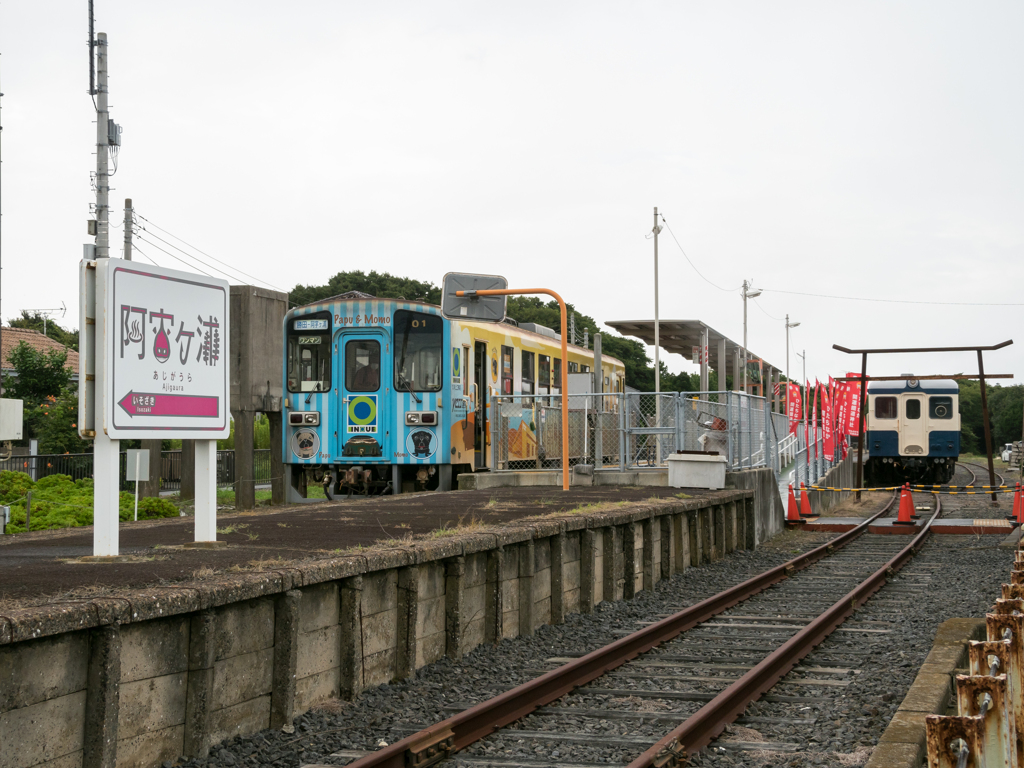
481 390
363 381
913 432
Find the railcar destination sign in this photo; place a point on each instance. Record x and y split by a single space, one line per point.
166 355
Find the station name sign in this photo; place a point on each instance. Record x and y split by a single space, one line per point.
165 352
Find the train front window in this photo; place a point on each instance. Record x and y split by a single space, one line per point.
940 407
362 365
418 351
885 408
913 409
309 354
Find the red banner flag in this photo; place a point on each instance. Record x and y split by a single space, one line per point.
814 415
827 423
792 406
853 407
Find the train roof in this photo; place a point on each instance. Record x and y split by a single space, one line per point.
359 296
927 386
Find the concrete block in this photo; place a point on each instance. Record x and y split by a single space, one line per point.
429 649
510 594
316 688
571 547
200 686
102 698
571 601
286 655
906 728
454 605
318 651
379 668
380 632
526 572
542 585
241 719
351 638
510 567
380 592
72 760
244 628
631 563
430 618
571 579
930 693
510 624
649 569
154 648
893 755
494 610
151 705
556 578
590 571
475 604
476 569
408 616
43 669
541 554
242 678
44 731
431 577
474 633
151 748
319 607
541 613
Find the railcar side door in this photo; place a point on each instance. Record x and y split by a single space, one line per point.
913 426
481 390
363 384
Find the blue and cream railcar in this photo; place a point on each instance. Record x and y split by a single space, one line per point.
913 431
383 396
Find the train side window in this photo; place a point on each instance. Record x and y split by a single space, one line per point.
556 381
362 366
885 408
940 407
544 370
528 373
418 352
913 409
506 369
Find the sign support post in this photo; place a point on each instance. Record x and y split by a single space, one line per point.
206 491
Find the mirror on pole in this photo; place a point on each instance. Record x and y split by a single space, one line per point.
488 309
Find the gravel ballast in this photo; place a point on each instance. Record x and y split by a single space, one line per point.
953 576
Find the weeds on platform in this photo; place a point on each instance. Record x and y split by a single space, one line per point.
460 527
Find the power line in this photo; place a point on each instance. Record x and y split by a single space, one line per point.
773 317
136 249
679 245
899 301
176 258
236 269
185 253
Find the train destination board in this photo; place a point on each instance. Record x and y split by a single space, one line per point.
166 355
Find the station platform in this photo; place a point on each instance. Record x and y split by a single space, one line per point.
49 563
964 526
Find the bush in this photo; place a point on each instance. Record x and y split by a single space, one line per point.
60 502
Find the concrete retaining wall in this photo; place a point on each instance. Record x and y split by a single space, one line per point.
146 676
842 475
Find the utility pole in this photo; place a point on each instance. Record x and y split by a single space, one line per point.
128 229
657 342
102 150
1 226
747 293
788 326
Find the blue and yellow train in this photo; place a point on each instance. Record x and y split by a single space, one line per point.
913 431
388 396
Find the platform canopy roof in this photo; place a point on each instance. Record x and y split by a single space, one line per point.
681 336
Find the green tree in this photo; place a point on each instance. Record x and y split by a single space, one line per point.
41 378
37 322
380 284
56 424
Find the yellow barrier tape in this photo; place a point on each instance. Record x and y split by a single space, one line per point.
941 489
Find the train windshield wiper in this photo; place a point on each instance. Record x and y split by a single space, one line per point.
319 384
409 389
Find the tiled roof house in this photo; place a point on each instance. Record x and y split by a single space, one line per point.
11 337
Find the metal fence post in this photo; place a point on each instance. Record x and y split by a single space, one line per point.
28 511
623 404
680 433
495 406
729 428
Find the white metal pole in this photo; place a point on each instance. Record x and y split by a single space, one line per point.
657 344
206 490
136 489
787 349
744 336
102 150
106 452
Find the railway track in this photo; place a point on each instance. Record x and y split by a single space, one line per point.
697 670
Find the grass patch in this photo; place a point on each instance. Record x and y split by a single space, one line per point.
460 527
682 496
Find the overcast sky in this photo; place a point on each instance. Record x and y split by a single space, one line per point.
859 149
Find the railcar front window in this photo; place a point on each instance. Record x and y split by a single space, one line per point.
913 409
418 351
940 407
885 408
362 366
309 362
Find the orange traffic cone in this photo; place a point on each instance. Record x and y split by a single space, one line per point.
805 502
913 507
792 511
906 514
1018 501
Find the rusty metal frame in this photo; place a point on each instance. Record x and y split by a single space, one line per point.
915 350
439 741
710 720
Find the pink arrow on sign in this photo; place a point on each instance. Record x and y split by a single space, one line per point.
145 404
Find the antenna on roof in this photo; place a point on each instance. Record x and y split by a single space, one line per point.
46 313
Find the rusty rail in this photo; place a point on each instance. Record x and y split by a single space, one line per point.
988 729
710 720
441 740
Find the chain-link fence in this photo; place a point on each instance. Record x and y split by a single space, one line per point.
635 429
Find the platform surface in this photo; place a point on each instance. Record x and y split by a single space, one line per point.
44 563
